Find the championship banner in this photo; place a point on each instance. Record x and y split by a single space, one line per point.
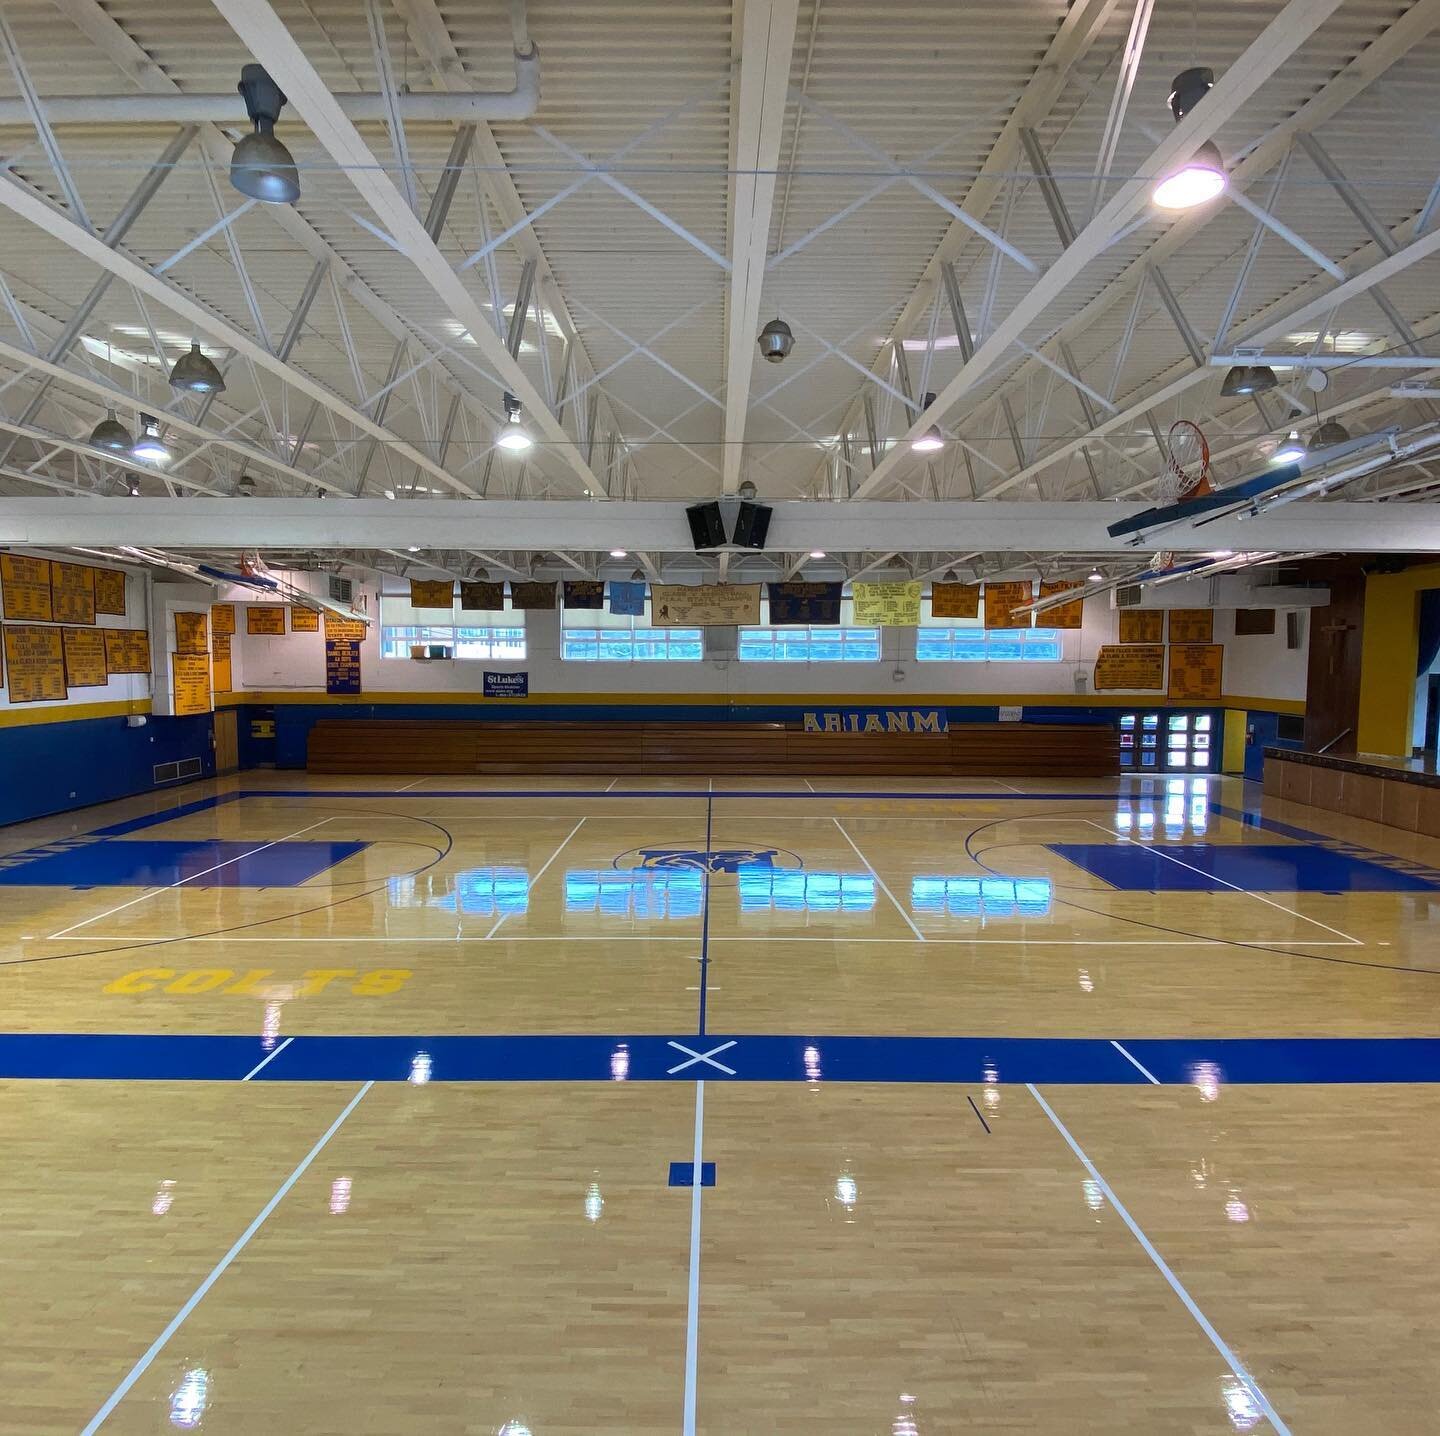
222 619
1195 670
304 620
85 658
36 664
110 591
955 600
627 598
192 632
532 595
221 676
703 605
432 593
72 593
1192 625
1132 665
1001 599
26 586
878 720
804 602
485 597
342 665
886 605
127 650
584 593
1064 615
1142 625
266 620
190 683
337 626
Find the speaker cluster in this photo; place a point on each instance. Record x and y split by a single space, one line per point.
707 525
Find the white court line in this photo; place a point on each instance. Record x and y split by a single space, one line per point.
1134 1062
1280 907
530 886
1231 1360
85 922
631 935
811 786
408 786
265 1061
176 1321
881 881
611 784
692 1307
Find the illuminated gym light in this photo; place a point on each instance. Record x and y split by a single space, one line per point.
1199 180
150 446
619 553
817 553
1291 450
514 435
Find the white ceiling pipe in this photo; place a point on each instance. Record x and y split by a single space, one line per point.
228 108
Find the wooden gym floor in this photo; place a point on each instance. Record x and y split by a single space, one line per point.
337 1107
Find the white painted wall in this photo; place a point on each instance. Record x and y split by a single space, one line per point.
1255 667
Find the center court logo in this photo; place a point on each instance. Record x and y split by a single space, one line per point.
701 860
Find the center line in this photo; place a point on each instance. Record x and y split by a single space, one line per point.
692 1309
1231 1360
881 881
530 886
85 922
178 1320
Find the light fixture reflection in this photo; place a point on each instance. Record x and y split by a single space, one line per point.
594 1202
812 1064
1094 1197
164 1199
270 1026
187 1401
420 1068
620 1063
1207 1079
1240 1405
1087 983
339 1196
847 1192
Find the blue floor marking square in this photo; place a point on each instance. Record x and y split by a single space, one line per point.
682 1174
202 863
1251 867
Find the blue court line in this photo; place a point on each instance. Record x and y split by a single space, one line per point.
765 1058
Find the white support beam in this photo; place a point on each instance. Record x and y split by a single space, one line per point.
765 44
1285 34
547 526
262 30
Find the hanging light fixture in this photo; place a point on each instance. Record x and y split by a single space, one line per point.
932 438
619 553
111 434
513 434
1332 431
261 167
776 341
1095 576
1202 176
149 446
1292 450
1248 379
132 487
196 374
817 553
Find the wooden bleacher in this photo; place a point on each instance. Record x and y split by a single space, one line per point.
420 746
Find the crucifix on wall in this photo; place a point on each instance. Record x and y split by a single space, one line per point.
1335 633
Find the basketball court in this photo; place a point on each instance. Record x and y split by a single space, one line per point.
1013 1106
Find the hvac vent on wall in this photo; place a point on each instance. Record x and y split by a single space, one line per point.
1128 596
174 772
341 589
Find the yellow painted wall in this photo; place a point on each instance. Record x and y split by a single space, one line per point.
1389 647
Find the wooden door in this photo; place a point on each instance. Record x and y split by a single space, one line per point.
227 746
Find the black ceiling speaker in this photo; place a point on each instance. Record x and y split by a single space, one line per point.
707 529
752 524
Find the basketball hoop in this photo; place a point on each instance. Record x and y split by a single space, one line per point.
1187 463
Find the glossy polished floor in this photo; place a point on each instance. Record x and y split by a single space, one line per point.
342 1106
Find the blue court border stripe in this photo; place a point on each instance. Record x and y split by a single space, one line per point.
757 1058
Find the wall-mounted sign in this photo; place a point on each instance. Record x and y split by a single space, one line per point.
1063 615
221 676
506 685
72 593
85 658
127 650
955 600
1195 670
805 602
36 663
1134 665
26 586
1011 714
192 632
266 619
886 605
304 620
222 618
338 627
1001 599
110 591
1192 625
1142 625
342 665
704 605
878 720
190 683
